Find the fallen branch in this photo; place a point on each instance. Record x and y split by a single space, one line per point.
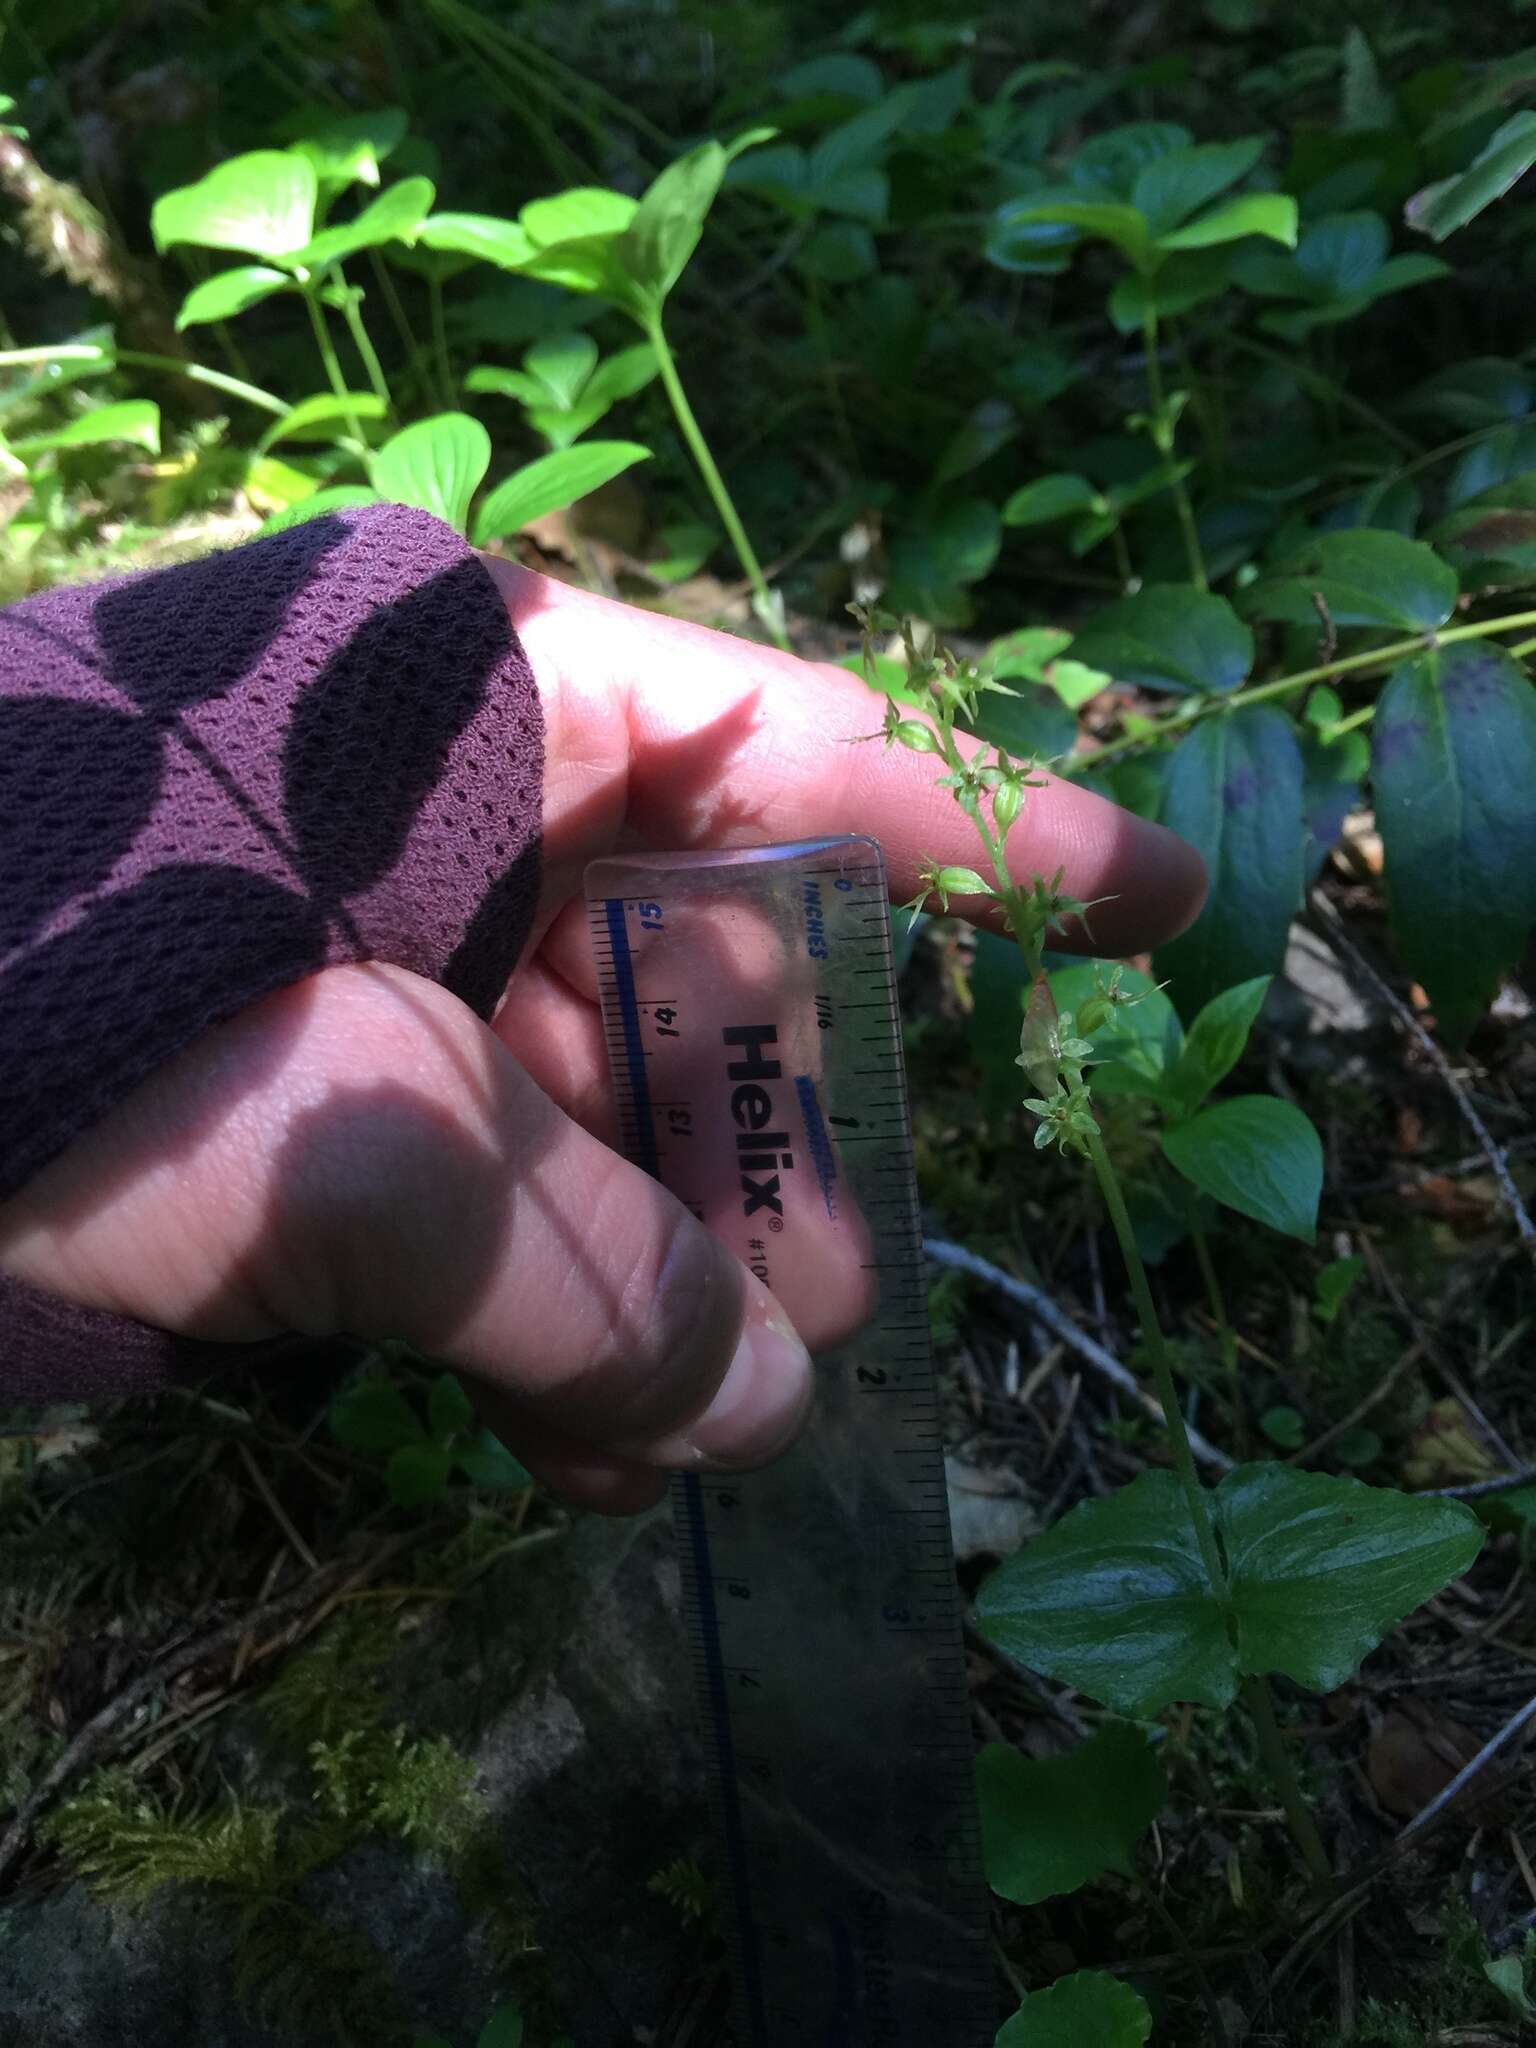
1040 1305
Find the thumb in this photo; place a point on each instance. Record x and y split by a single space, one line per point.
359 1153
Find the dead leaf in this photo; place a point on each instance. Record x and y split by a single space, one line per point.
1414 1755
1445 1449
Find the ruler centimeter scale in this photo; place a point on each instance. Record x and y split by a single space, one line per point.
749 1006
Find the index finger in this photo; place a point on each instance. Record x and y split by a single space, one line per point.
729 743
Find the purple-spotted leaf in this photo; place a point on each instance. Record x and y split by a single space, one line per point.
1453 763
1234 790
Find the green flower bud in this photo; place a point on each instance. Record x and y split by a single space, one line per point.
913 734
961 882
1006 804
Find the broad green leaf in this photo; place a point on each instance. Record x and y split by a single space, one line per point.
1188 279
515 384
273 485
135 421
1439 209
1169 637
1365 103
840 73
1481 392
417 1473
1339 255
334 498
1027 652
1049 498
448 1409
481 235
861 142
1233 789
373 1415
840 253
1019 238
1114 1598
562 363
1333 775
581 214
262 204
1285 1427
1259 1155
621 375
1321 1567
487 1462
1030 721
1108 166
1214 1042
1453 766
1365 578
437 464
669 220
1333 1286
551 483
999 983
1051 1826
1272 214
504 2029
1088 2010
1178 183
1121 225
393 217
1138 1043
230 292
324 416
933 562
351 149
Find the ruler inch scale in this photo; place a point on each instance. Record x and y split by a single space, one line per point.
750 1016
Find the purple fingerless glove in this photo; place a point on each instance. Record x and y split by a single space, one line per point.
216 779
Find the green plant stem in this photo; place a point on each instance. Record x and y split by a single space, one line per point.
109 358
714 483
1122 555
1163 438
1260 1703
440 339
1329 733
1226 1336
1261 693
337 382
352 313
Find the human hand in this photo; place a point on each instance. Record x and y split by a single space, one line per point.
360 1153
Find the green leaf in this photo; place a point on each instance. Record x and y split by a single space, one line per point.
1087 2010
351 149
1048 1827
393 217
1215 1041
437 464
1233 789
1188 279
1049 498
515 384
1121 225
487 1462
1138 1043
1333 1286
448 1409
1341 254
1366 105
324 416
622 375
1176 184
1507 1976
562 364
1285 1427
1439 209
839 253
1169 637
135 421
1031 722
481 235
1258 1154
669 220
1114 1598
417 1473
335 498
1272 214
583 213
1453 765
373 1415
551 483
504 2029
230 292
1108 166
262 204
933 563
1365 578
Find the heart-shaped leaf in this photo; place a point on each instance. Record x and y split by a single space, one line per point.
262 204
1049 1826
1453 765
551 483
1364 578
373 1415
1439 209
1215 1040
1169 637
1258 1154
1088 2010
437 464
230 292
1115 1600
1233 788
393 217
417 1473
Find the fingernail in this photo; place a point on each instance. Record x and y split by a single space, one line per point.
761 1403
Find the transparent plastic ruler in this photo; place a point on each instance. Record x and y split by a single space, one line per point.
749 1002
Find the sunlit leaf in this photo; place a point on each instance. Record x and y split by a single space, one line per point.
393 217
1271 214
1439 209
551 483
262 204
135 421
436 464
229 292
